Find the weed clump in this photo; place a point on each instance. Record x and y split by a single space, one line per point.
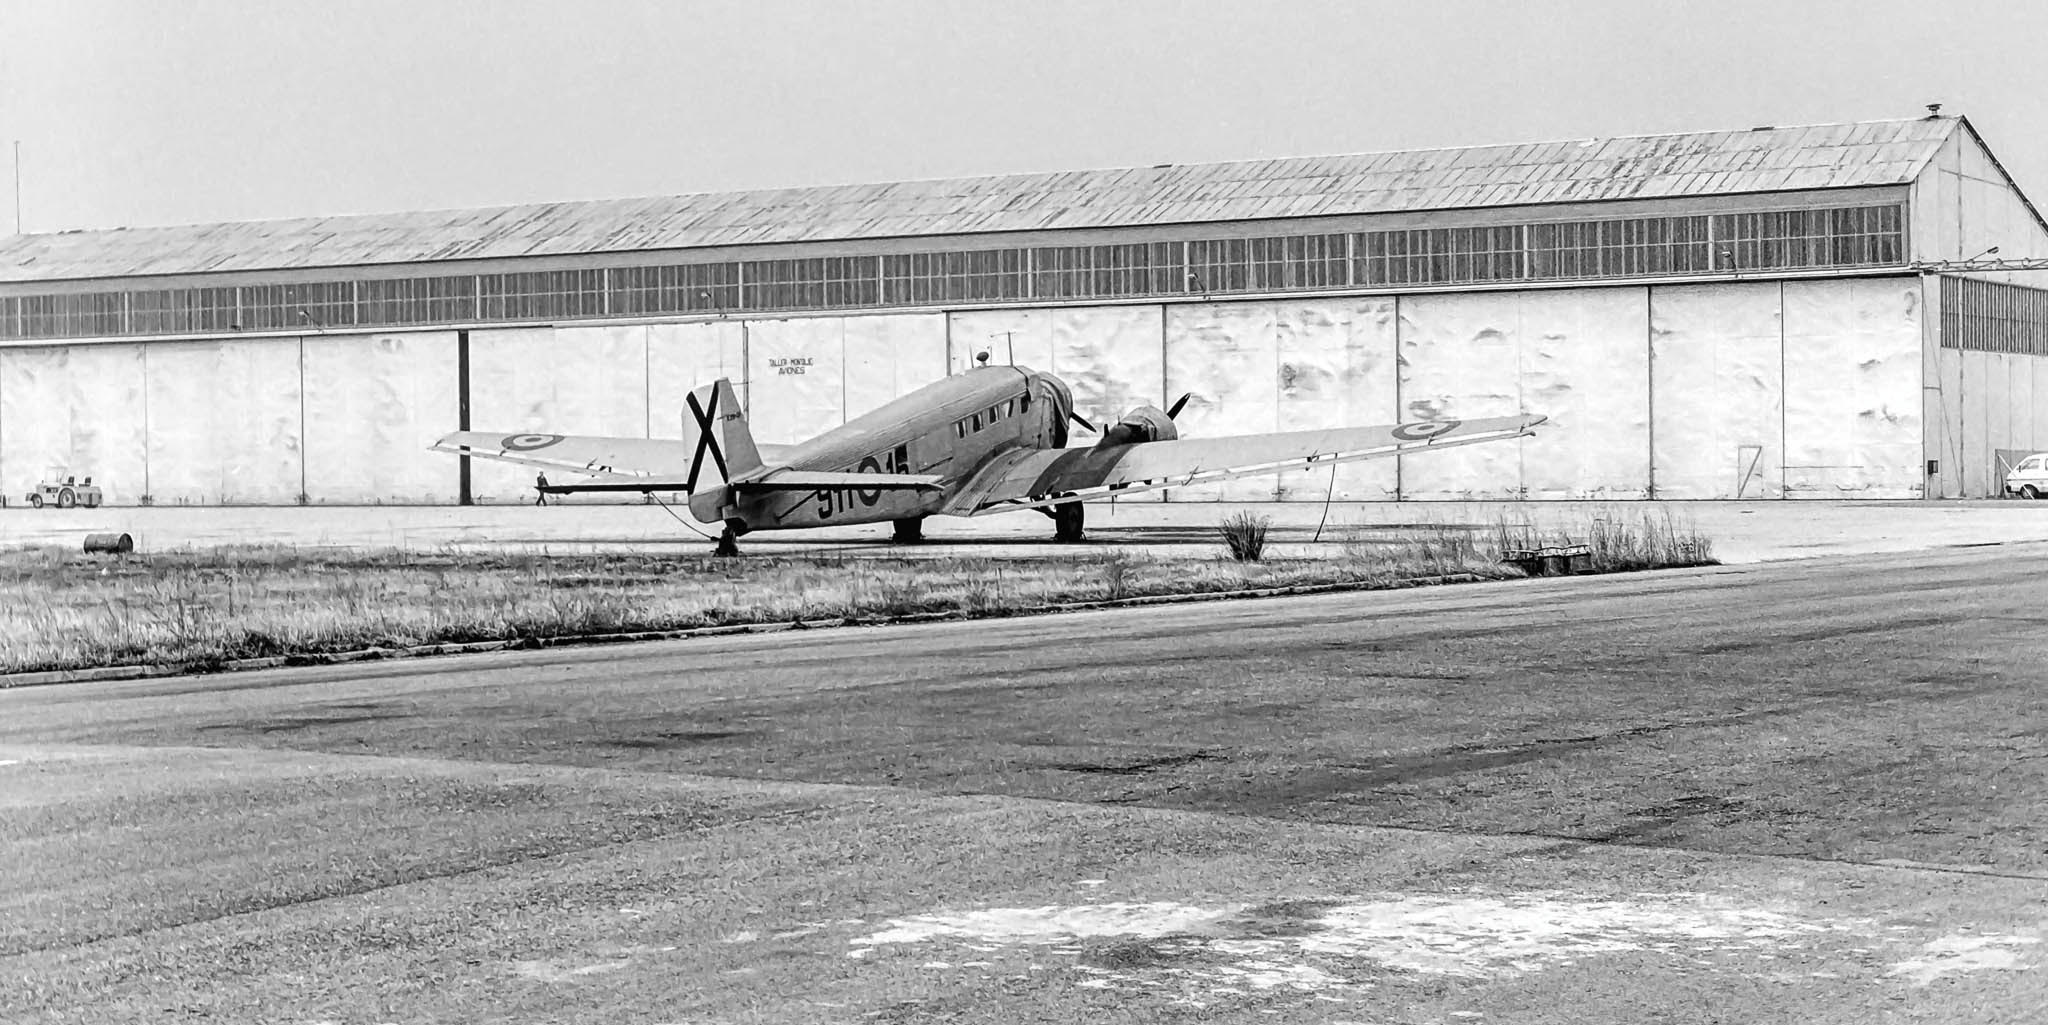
1613 544
1244 535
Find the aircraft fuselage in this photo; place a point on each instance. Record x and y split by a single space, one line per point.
950 429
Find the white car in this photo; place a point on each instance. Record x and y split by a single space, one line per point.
2030 478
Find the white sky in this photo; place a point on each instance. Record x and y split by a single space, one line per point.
178 111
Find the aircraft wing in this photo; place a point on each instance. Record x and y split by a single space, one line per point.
623 459
1038 477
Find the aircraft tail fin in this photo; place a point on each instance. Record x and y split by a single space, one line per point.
724 444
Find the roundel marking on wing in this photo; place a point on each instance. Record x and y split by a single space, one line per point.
528 442
1426 430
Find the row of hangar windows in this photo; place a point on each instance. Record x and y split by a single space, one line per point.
1991 316
1860 236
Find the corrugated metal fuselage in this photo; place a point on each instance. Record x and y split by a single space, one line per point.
950 428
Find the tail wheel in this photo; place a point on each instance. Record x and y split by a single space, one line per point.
1067 520
65 499
2029 492
35 501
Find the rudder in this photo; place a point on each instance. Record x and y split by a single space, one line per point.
724 442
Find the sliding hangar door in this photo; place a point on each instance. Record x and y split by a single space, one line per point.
1766 389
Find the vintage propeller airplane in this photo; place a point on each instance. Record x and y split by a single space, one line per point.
991 439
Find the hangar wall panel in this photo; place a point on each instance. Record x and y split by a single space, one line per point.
562 381
1956 408
373 405
1461 357
684 357
1338 369
1717 367
77 410
1940 395
1111 356
1934 207
1586 365
1945 439
1227 356
2020 392
2039 371
1976 440
1114 359
1852 388
1285 366
797 374
224 422
1023 337
888 357
1997 405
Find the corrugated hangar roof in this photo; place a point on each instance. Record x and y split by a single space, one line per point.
1575 171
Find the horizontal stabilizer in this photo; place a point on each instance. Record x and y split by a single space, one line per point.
774 480
716 448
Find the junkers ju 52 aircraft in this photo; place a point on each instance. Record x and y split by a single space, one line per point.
992 439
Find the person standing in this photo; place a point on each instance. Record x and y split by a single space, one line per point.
540 489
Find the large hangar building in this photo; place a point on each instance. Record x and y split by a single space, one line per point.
1810 312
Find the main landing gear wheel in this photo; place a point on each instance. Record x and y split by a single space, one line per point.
1067 519
909 531
728 543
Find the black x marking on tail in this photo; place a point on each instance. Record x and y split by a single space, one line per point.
706 440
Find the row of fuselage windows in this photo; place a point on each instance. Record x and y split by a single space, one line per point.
989 417
1869 236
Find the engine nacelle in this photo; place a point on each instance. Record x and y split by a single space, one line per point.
1145 423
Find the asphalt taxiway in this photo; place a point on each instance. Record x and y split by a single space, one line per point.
1803 791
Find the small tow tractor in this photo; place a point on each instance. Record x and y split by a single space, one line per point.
66 494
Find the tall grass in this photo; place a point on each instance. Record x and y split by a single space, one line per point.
60 610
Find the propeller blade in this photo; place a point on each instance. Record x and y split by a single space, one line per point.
1083 421
1174 410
